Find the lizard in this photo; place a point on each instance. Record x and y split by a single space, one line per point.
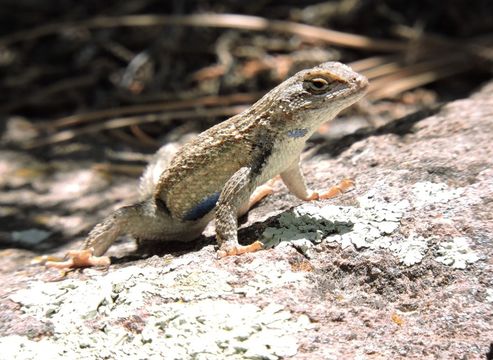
216 174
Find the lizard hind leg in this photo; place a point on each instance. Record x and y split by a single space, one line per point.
101 237
138 219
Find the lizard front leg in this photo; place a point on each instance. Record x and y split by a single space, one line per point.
235 193
295 181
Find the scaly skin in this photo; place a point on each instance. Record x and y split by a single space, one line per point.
218 170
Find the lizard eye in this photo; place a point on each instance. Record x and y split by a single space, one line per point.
317 85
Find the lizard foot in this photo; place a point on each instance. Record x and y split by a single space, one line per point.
78 259
344 186
239 249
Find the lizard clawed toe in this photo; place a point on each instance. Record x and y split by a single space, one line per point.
344 186
239 249
79 259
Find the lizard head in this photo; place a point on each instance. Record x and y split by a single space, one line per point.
318 94
332 82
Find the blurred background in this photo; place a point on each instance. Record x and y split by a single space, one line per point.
89 89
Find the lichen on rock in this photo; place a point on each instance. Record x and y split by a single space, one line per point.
372 225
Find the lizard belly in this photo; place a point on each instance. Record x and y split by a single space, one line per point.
283 155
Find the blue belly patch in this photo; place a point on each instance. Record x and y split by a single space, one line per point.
297 133
203 207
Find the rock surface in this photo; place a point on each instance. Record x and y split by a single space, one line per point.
399 268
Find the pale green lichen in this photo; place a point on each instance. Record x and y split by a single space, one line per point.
372 225
204 329
411 250
456 253
305 223
427 193
181 313
369 226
